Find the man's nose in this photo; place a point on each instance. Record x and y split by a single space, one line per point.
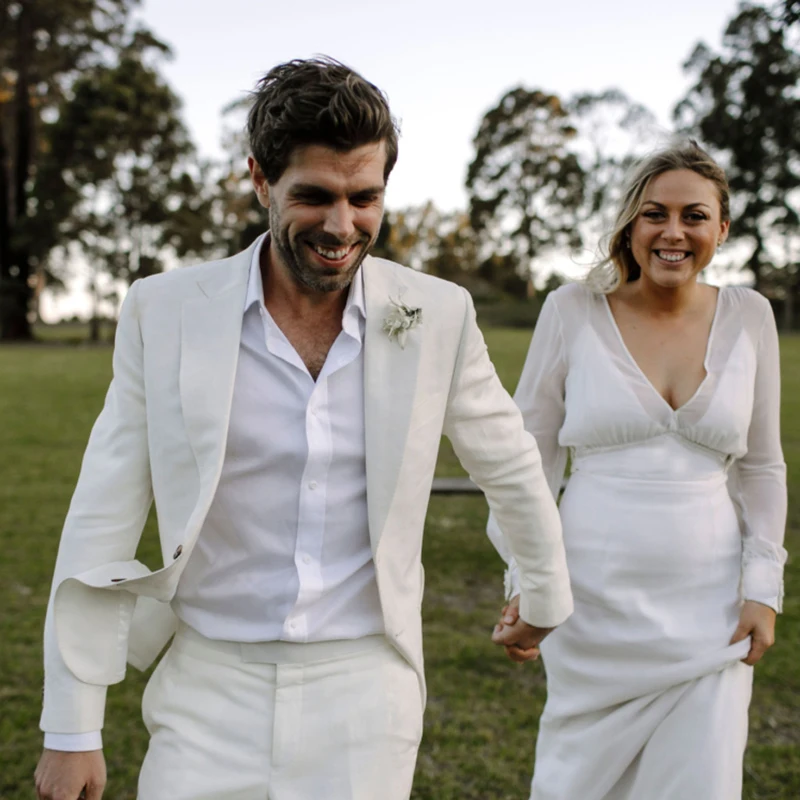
339 221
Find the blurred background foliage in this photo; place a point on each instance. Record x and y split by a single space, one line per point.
97 167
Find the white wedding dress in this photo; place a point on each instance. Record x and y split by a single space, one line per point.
670 518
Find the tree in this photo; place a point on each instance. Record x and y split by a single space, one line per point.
613 131
525 185
746 107
122 152
429 240
410 236
44 46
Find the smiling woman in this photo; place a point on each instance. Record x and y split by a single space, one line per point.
679 227
667 393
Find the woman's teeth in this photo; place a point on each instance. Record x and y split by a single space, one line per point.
671 256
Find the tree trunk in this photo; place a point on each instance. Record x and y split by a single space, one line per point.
5 203
94 322
14 323
94 329
15 293
755 262
787 323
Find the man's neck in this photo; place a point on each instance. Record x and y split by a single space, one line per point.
282 292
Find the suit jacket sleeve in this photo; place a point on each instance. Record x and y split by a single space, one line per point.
488 435
540 396
103 524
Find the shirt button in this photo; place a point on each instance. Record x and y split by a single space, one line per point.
292 625
306 559
312 485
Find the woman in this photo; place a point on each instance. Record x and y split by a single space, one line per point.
665 391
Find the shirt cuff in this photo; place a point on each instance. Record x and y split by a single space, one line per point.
511 580
74 742
762 581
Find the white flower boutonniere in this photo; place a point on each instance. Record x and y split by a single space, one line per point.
400 320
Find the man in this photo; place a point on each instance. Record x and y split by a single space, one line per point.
284 408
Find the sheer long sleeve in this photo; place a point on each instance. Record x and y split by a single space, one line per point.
540 398
758 480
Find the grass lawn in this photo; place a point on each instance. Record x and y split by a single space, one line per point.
482 713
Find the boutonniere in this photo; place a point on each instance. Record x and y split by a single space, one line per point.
400 320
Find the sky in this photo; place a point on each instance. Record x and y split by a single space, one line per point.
443 64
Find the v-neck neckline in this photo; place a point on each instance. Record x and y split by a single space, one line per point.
640 371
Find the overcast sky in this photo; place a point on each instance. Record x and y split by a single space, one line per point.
442 63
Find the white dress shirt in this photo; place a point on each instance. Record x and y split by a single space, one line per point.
284 553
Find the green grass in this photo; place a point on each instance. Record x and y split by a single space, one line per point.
482 715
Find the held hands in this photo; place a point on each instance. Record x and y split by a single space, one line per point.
520 640
70 776
758 621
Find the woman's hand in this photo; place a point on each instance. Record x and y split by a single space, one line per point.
758 621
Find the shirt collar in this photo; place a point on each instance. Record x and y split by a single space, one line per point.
355 309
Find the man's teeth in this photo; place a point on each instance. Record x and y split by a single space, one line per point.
671 256
333 255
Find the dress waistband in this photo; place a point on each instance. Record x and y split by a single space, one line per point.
666 458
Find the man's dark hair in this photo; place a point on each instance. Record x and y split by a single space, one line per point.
316 101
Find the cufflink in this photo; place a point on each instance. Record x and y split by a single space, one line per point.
178 551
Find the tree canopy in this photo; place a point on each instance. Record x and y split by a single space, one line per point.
745 105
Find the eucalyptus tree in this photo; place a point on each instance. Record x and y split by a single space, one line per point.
745 105
525 184
45 45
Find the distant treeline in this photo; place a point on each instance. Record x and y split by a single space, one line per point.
99 174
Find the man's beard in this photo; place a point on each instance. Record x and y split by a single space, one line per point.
307 275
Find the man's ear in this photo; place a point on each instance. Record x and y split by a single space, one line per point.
259 181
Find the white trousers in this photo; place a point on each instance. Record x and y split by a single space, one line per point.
280 721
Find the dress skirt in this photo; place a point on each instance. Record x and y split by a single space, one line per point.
646 699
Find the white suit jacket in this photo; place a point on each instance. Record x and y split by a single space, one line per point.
162 432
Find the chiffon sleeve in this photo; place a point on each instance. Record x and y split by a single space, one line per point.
540 397
759 480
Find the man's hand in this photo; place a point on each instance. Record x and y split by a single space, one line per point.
758 621
69 776
520 640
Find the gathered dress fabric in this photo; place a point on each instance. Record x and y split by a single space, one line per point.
671 518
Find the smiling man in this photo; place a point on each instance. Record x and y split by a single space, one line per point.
284 408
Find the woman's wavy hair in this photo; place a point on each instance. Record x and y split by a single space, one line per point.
618 266
316 101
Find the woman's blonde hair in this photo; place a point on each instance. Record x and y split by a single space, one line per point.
618 265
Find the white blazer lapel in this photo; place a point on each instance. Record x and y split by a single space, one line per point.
211 328
390 379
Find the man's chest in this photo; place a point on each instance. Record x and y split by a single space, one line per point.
311 342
